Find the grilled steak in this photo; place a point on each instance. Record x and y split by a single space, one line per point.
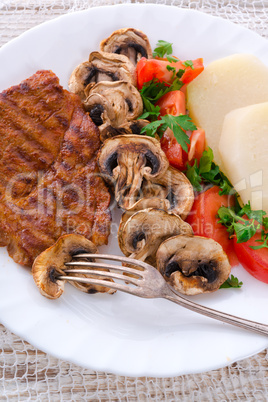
49 182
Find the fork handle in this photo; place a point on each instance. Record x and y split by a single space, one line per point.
218 315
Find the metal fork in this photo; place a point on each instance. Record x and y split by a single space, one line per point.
148 283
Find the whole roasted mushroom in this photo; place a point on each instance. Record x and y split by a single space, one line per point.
145 230
174 187
130 42
51 263
126 161
101 66
113 103
193 265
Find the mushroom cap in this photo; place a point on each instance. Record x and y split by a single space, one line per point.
173 186
145 230
193 264
101 66
128 41
143 203
127 159
116 102
51 263
129 127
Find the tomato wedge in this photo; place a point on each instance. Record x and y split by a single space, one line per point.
204 221
148 69
254 261
197 145
177 157
172 103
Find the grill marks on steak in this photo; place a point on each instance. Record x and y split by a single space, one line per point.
49 183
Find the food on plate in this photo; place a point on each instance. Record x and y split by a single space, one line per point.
112 104
101 66
253 255
204 219
126 160
193 264
106 83
49 181
148 70
174 187
130 127
245 161
141 204
140 236
130 42
226 84
51 263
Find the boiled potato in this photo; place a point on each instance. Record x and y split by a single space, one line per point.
243 147
225 84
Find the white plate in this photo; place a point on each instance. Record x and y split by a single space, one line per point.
120 333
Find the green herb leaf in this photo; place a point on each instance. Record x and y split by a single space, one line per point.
153 90
180 73
151 128
206 161
194 177
177 124
210 173
189 63
263 245
231 282
162 48
265 223
152 113
257 215
172 59
244 232
226 215
176 85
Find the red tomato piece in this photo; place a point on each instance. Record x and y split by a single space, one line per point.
172 103
197 145
177 157
204 221
148 69
254 261
191 73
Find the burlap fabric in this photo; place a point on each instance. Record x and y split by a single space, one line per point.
29 374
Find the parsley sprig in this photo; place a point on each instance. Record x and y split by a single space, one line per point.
208 172
231 282
162 48
176 123
245 229
151 92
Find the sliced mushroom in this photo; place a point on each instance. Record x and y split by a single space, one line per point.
143 203
145 230
128 41
101 66
128 160
193 265
51 263
130 127
173 186
113 103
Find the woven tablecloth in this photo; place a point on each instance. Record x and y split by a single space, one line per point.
29 374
